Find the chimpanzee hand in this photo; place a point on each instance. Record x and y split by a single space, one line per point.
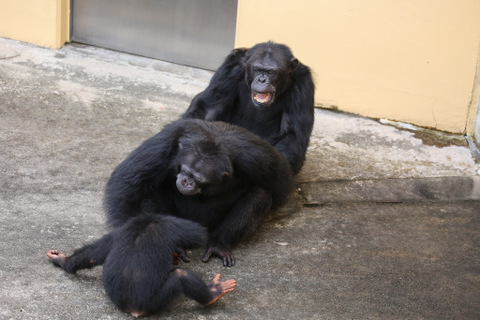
180 254
225 254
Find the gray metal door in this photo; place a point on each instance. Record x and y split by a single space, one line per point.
198 33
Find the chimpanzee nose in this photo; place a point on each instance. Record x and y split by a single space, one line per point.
187 182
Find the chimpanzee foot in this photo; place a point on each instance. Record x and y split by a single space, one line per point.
56 257
219 289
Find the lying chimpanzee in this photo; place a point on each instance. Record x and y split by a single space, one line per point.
138 259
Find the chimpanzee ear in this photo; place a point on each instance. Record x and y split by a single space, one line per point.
227 175
228 171
243 62
293 64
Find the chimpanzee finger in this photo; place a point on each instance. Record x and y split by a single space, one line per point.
208 254
228 260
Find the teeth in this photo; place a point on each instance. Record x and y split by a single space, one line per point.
262 97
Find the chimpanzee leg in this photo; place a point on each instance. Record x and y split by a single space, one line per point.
244 217
88 256
192 286
188 283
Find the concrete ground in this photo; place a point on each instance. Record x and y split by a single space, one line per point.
385 223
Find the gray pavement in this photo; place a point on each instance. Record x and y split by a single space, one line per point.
385 223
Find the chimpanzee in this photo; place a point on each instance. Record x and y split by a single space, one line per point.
138 259
266 90
220 175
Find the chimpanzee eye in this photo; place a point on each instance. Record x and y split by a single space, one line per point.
200 179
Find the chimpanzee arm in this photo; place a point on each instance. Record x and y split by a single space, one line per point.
86 257
187 234
244 217
134 180
214 102
297 119
183 232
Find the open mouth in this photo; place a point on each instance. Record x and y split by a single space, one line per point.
263 97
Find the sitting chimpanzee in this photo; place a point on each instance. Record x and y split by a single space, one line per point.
138 259
267 91
222 176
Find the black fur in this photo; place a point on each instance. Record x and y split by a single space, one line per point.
137 258
246 179
286 123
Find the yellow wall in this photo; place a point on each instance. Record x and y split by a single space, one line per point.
409 61
42 22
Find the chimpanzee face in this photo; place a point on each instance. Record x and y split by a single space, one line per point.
268 71
202 171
